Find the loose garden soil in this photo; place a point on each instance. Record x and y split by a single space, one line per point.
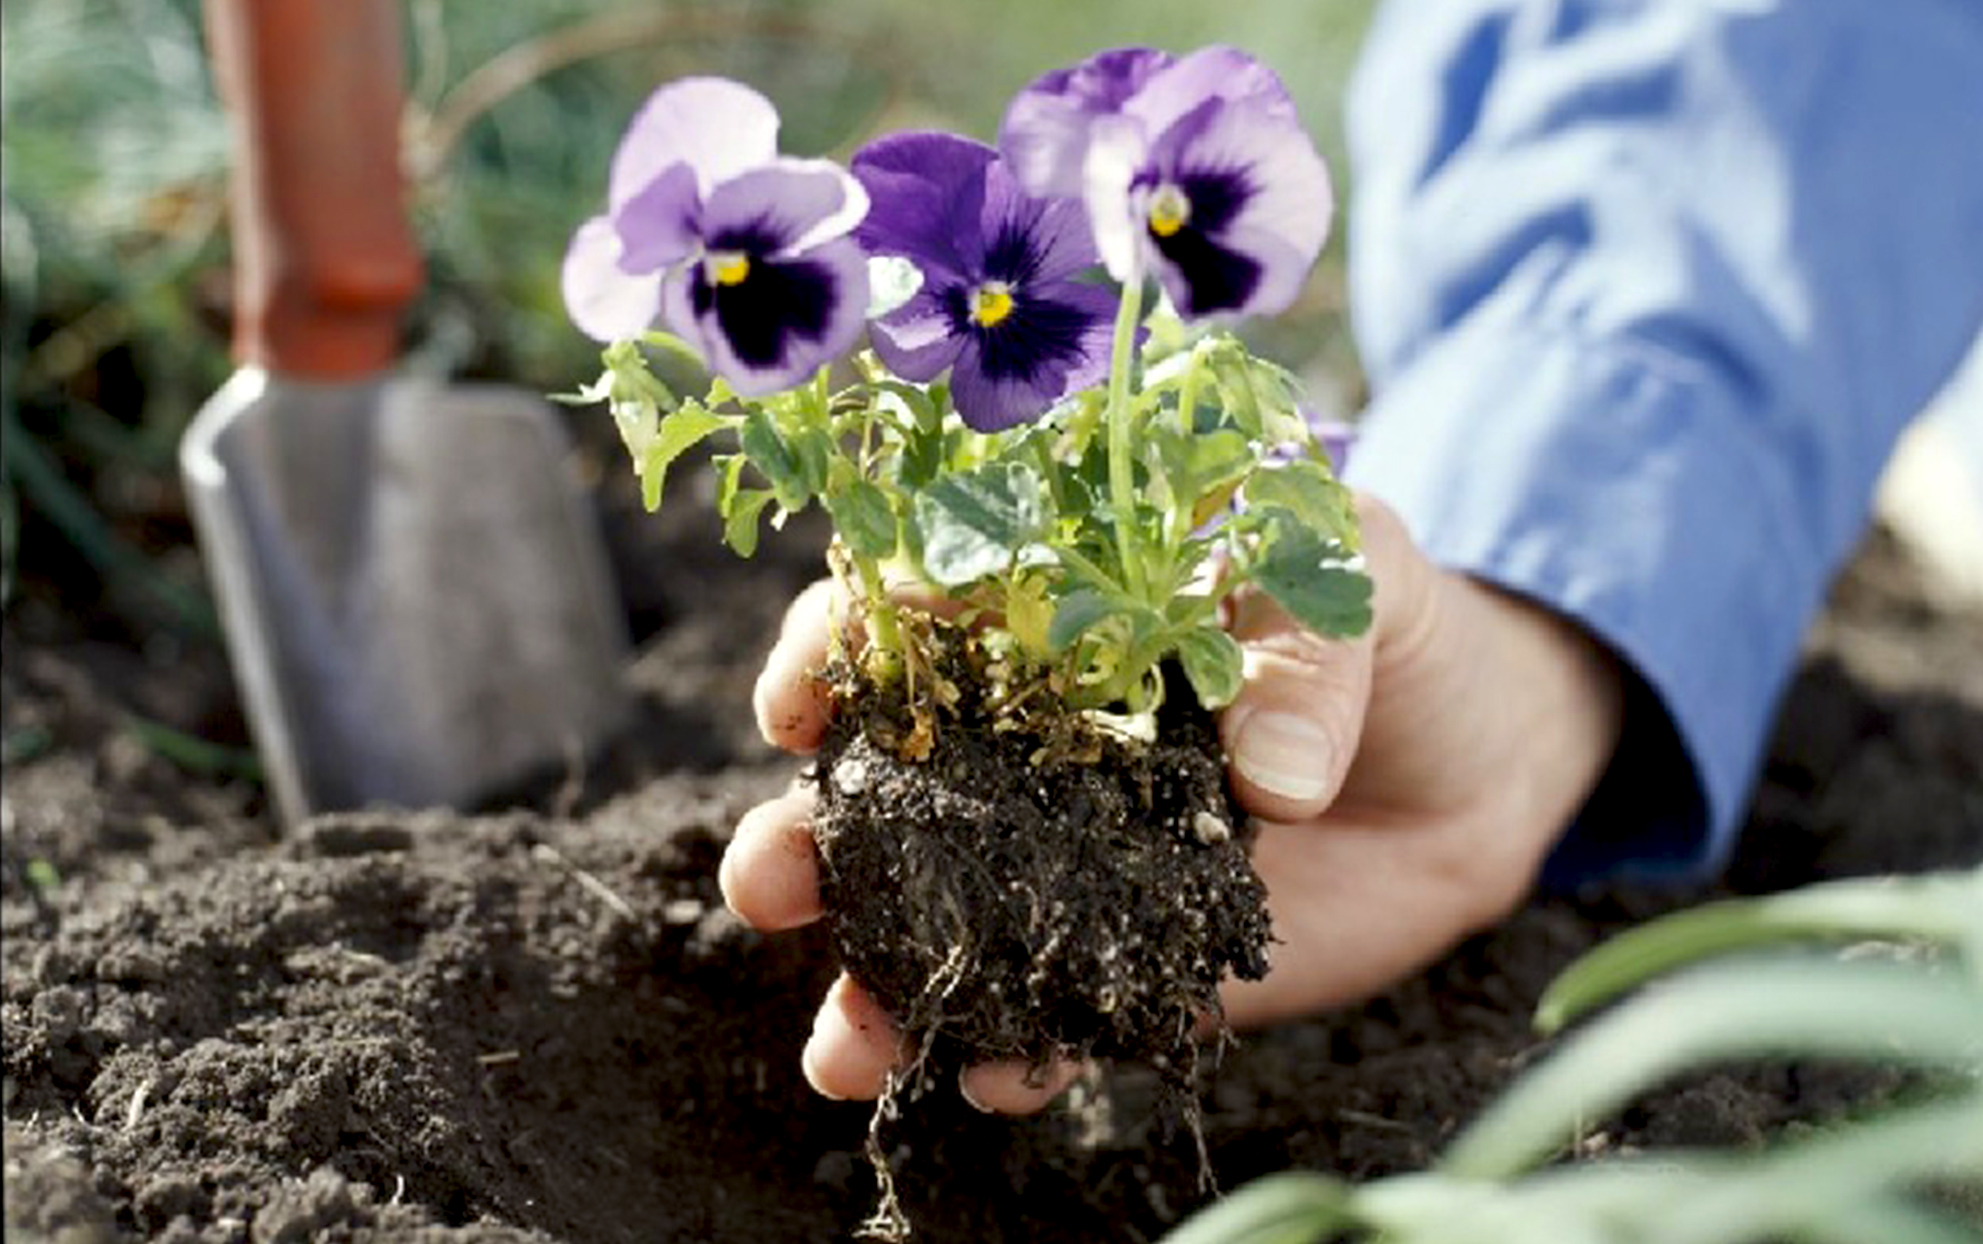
541 1024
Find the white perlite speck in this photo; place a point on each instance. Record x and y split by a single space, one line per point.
850 776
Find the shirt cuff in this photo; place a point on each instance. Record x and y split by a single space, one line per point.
1632 490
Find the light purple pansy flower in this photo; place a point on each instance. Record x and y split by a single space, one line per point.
743 253
999 305
1195 168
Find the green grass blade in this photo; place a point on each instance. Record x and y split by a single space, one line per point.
194 754
1853 1174
1847 1185
1802 1006
1293 1207
1934 907
1891 1220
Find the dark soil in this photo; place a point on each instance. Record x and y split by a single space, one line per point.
1034 888
541 1024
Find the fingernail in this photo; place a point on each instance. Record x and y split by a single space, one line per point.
964 1091
1283 754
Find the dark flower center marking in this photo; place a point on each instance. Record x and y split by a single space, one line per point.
1183 217
1010 256
759 303
1025 337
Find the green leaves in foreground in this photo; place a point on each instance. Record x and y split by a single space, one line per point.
981 523
1309 577
1102 539
1913 1000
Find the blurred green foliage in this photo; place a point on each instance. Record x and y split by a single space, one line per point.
112 200
1886 971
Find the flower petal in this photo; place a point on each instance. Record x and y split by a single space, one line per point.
1260 208
1116 156
1205 277
782 322
604 301
928 189
1050 345
657 226
1216 72
919 339
1027 239
1047 128
717 127
783 207
678 308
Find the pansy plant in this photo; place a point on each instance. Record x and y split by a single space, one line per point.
1093 479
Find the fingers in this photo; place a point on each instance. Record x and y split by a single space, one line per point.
853 1045
1292 730
1016 1088
770 878
1358 907
770 871
789 701
1296 725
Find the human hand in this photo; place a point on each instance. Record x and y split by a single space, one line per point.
1408 786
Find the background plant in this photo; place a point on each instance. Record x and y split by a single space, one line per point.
1885 971
112 238
1092 502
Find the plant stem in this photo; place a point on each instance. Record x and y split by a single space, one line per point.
1122 476
1187 418
885 639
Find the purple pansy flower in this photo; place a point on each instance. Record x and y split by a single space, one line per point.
742 252
999 305
1196 168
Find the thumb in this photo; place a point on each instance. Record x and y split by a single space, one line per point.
1294 729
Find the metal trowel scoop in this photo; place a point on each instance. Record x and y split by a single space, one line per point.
416 601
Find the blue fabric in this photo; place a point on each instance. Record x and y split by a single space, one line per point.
1646 291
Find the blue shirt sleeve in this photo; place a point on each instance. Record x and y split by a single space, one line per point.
1646 292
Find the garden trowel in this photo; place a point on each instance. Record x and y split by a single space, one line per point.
416 601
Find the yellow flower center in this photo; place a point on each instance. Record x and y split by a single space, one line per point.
1169 210
991 303
728 267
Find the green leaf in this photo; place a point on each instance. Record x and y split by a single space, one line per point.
770 453
1801 1007
1306 489
1293 1207
815 452
740 523
1930 907
1213 662
1197 465
923 453
678 432
976 523
864 519
1258 397
1216 458
1076 612
1305 575
729 474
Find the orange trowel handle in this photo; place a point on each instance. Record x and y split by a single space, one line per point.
324 259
